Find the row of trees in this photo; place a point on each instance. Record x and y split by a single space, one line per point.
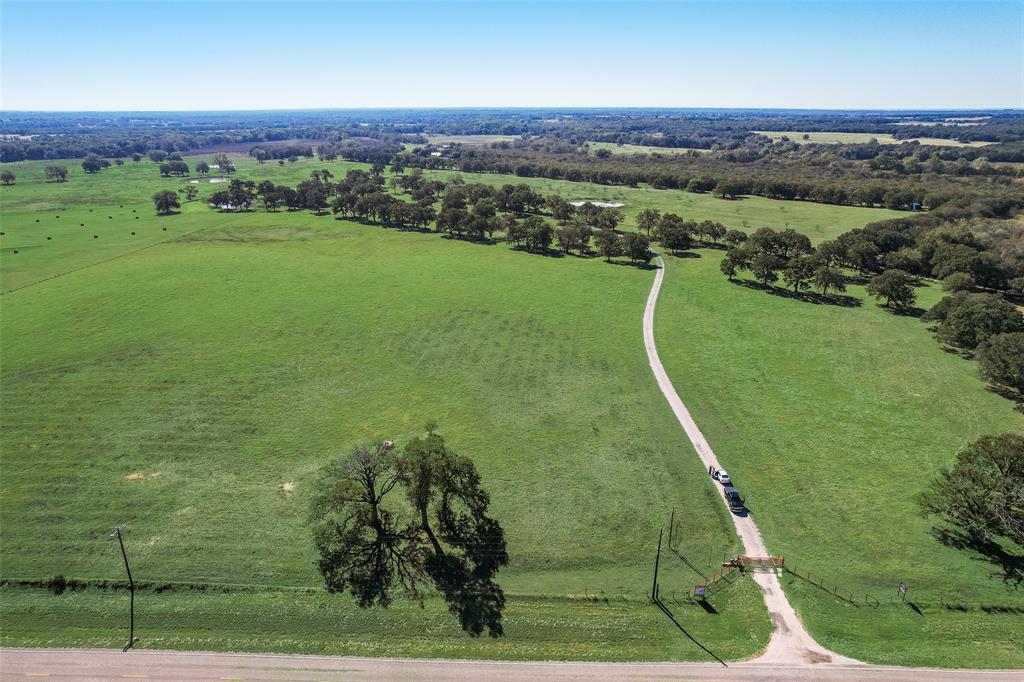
474 212
770 255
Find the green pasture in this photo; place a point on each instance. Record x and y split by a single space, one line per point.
189 382
470 139
615 148
191 390
831 419
859 138
306 622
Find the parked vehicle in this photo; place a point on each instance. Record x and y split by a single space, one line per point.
723 477
732 496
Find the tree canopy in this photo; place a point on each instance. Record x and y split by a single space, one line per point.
372 546
982 496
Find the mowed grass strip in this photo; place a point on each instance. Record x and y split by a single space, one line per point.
587 629
830 420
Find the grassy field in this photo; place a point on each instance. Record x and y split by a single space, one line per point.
116 202
296 621
858 138
641 149
176 379
831 419
470 139
178 384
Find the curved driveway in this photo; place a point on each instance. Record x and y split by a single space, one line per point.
790 644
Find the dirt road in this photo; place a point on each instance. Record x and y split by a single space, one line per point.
790 643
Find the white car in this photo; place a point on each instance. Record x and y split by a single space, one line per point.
723 477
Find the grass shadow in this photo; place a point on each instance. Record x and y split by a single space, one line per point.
1010 394
1010 565
707 606
709 652
841 300
637 265
913 311
688 563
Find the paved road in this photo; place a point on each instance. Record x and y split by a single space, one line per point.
111 664
790 642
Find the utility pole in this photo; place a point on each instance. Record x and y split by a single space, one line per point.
118 533
657 559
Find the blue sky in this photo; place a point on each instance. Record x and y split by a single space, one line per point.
265 55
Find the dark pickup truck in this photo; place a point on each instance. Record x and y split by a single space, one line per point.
732 496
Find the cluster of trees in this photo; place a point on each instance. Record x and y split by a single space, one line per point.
981 499
178 168
769 254
94 164
927 248
56 173
442 537
989 327
290 152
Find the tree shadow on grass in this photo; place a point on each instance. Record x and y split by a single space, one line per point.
1010 565
485 241
548 253
814 297
684 254
912 311
1010 394
637 265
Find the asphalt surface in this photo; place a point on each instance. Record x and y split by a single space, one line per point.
111 664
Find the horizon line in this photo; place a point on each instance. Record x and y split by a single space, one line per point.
1000 109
